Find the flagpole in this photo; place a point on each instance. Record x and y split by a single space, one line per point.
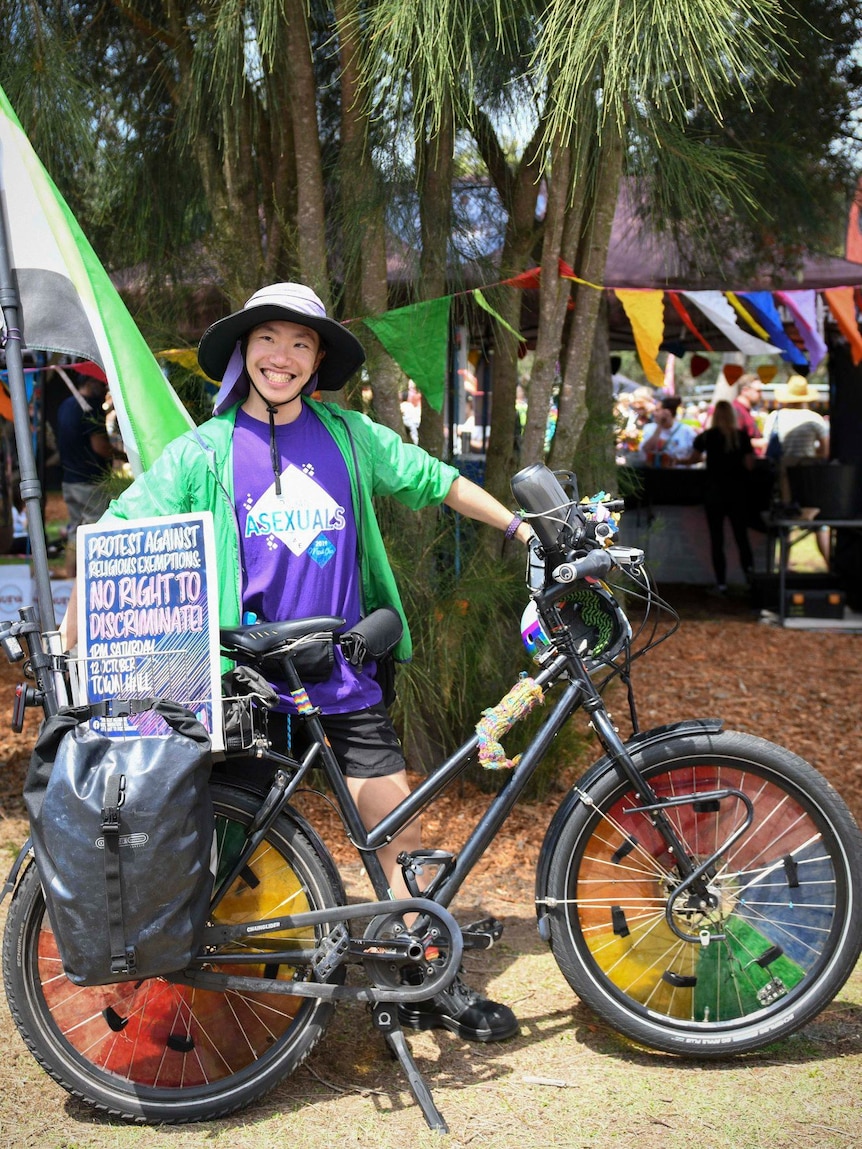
31 488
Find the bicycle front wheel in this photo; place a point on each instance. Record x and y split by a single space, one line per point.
785 896
152 1051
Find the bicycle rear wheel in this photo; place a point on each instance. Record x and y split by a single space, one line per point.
786 897
152 1051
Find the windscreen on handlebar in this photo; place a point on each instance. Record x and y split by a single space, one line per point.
554 515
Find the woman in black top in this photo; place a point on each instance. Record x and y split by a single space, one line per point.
729 458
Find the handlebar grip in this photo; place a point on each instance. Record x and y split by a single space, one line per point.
595 564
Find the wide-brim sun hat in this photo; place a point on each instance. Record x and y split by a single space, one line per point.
220 351
796 390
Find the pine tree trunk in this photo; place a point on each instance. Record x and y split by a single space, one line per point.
572 413
519 191
562 221
310 200
366 288
595 453
436 169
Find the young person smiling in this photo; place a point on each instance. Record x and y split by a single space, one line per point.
291 482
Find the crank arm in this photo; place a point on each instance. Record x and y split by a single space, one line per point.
332 952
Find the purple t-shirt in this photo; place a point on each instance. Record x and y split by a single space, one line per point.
299 550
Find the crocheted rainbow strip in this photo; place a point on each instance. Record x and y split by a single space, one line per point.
300 697
521 699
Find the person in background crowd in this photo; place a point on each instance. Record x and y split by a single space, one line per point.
642 406
86 455
20 536
729 457
521 408
748 398
470 432
411 411
667 442
802 434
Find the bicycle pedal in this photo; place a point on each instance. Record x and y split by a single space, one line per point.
483 934
331 952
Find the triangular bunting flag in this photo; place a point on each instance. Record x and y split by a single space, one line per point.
417 338
486 306
680 309
843 307
803 305
775 332
645 311
186 357
766 372
853 246
737 306
527 279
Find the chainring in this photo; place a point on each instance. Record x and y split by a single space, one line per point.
407 958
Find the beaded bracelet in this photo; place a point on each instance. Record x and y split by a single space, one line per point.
512 528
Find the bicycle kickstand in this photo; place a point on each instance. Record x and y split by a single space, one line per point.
385 1017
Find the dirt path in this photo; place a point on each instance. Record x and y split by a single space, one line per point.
801 690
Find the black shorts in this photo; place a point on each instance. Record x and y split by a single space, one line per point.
364 741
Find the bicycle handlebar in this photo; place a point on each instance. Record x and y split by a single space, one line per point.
594 565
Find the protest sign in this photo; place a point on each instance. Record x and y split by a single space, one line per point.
148 619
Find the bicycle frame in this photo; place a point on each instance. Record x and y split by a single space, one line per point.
578 691
444 889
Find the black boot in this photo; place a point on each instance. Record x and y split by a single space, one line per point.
461 1010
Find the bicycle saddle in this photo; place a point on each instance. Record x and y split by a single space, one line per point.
264 638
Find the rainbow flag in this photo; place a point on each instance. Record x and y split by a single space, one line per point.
69 305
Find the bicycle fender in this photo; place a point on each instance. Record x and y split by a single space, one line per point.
670 732
12 880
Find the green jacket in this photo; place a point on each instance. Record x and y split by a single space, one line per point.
195 473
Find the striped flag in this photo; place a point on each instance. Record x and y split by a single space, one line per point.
69 305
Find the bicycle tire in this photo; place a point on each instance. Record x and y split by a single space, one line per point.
789 899
155 1052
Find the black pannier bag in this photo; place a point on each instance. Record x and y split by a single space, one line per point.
122 833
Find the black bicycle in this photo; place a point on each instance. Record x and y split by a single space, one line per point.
699 887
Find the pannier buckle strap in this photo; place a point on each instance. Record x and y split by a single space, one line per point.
123 957
120 707
115 796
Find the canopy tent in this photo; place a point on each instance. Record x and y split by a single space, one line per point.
640 256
